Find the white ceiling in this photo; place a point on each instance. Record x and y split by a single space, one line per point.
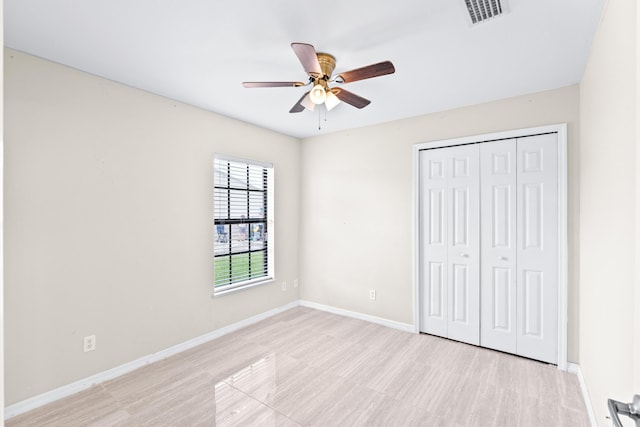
199 51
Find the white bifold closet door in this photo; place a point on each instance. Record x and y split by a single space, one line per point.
519 261
537 263
489 251
450 206
498 245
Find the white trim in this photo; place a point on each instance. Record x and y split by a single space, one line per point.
353 314
2 332
563 281
245 285
86 383
573 368
243 160
495 136
563 250
416 240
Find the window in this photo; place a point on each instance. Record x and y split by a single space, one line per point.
243 217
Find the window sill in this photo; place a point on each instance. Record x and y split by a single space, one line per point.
243 286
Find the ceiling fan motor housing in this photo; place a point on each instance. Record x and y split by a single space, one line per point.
327 64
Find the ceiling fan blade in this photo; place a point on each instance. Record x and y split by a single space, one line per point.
308 57
374 70
298 107
350 98
272 84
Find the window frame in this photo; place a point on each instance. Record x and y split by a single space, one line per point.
267 232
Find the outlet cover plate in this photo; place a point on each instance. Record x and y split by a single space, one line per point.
89 343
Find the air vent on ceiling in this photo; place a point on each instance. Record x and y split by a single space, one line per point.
482 10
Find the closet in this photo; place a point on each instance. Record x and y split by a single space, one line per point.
488 251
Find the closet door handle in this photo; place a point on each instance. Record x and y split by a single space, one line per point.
464 255
503 258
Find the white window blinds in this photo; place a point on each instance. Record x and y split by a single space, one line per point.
243 206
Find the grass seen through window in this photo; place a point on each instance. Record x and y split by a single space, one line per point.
240 267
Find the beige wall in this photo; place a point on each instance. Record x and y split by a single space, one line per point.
357 202
608 168
108 205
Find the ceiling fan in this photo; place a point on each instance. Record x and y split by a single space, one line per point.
319 66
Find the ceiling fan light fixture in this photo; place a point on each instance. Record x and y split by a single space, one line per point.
332 101
318 95
307 103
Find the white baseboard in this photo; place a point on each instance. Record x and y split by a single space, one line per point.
575 369
373 319
86 383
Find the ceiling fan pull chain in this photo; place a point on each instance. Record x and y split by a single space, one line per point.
319 121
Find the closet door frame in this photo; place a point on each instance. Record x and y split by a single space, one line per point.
563 259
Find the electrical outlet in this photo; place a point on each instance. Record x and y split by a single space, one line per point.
372 294
89 343
284 286
295 283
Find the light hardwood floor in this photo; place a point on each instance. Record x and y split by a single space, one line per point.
307 367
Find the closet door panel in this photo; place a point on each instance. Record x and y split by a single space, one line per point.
537 269
498 245
433 228
436 308
463 243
